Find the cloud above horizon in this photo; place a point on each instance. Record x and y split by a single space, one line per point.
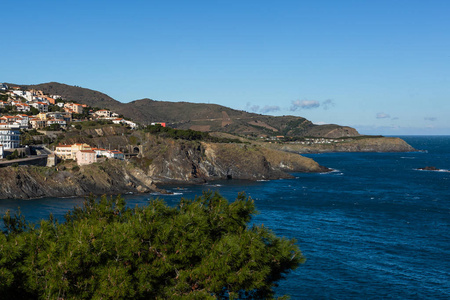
257 109
295 105
383 116
304 104
270 108
311 104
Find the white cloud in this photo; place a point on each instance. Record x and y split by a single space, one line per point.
383 116
304 104
270 108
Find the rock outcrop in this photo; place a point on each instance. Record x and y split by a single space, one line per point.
199 162
110 177
432 168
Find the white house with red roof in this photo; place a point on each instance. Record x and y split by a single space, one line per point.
99 151
23 107
115 154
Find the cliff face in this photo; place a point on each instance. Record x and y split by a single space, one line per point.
163 161
198 162
111 177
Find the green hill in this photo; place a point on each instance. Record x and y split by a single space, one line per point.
197 116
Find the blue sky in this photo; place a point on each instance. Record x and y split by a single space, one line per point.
382 67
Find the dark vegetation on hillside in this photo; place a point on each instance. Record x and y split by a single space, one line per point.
200 249
196 116
189 135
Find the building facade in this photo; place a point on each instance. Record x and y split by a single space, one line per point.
70 151
86 157
9 135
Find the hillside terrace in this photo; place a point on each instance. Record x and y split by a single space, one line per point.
32 109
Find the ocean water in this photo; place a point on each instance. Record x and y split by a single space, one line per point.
374 228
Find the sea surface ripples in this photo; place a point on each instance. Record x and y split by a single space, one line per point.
375 228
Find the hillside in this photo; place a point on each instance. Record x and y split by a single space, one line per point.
197 116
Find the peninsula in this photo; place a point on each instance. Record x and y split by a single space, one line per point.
61 140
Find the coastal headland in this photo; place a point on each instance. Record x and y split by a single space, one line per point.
156 142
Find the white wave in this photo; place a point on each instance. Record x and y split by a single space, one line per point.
166 194
331 172
438 170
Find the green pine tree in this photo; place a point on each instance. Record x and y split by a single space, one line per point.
200 249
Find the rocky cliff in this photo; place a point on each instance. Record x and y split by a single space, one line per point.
109 177
163 161
182 161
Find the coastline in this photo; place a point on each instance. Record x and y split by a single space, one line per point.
182 163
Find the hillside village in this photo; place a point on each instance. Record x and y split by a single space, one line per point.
25 110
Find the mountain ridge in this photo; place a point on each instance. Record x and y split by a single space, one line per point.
198 116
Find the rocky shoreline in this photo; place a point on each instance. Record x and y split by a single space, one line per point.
166 161
181 163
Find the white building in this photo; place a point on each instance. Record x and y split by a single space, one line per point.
100 151
131 124
22 122
9 135
115 154
61 122
23 107
103 113
41 106
25 94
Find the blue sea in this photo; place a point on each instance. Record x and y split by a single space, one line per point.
374 228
